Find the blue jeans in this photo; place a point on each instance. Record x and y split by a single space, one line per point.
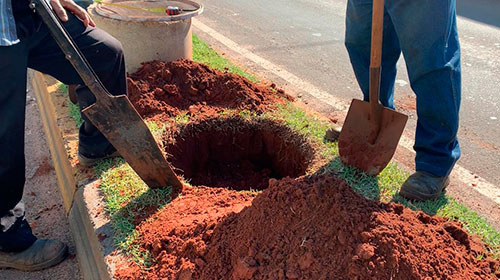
426 32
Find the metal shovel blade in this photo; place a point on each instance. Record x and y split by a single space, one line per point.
354 148
118 120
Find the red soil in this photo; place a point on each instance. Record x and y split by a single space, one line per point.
191 216
316 228
163 89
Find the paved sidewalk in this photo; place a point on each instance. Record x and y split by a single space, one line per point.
44 206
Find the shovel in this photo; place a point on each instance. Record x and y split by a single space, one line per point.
114 116
371 132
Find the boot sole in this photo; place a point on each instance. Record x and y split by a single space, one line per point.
61 256
418 196
89 162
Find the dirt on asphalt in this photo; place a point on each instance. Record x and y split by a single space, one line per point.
298 227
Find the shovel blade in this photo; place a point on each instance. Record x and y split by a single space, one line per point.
354 148
120 123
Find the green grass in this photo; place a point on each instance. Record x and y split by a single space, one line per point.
126 195
74 110
157 129
182 118
203 53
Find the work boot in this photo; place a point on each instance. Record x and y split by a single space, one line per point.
40 255
90 160
422 186
20 249
93 147
332 134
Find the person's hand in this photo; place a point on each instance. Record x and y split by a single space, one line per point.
60 7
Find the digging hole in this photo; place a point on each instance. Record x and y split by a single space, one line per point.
238 153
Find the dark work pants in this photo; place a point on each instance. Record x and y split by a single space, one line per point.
37 50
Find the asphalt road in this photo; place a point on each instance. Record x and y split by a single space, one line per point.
306 37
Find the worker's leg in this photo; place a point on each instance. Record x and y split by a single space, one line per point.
428 37
15 232
358 43
13 62
105 55
41 53
18 246
72 88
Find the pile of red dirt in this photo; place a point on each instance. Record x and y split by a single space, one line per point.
311 228
165 88
190 217
238 153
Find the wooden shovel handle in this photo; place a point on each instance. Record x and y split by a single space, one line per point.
377 31
375 62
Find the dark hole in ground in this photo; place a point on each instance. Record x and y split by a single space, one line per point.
238 153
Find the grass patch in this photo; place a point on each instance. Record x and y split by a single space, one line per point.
74 110
203 53
126 196
182 118
157 129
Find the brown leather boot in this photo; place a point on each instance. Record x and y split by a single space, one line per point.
42 254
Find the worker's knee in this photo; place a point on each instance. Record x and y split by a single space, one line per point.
357 46
109 49
357 38
115 46
106 57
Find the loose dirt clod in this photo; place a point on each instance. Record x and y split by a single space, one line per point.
316 228
238 153
162 89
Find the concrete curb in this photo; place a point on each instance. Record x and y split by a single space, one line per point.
89 249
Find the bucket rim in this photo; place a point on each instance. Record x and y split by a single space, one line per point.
107 11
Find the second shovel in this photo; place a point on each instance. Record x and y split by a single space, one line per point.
371 132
